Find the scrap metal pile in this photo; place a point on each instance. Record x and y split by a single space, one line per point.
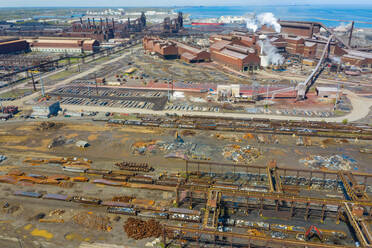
132 166
93 221
139 229
334 162
239 153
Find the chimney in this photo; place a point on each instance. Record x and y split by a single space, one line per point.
113 25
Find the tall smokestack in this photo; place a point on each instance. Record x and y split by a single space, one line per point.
113 25
351 33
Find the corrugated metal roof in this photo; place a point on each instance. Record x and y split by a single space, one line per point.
309 44
233 54
359 54
219 45
188 56
189 48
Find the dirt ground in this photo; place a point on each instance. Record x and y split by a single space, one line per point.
110 144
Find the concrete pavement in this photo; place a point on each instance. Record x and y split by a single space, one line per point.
360 110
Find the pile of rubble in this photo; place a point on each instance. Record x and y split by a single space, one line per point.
46 125
334 162
243 154
177 148
139 229
92 221
132 166
60 141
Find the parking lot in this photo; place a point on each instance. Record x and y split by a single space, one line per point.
111 97
186 107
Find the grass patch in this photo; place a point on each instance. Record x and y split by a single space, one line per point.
61 75
15 93
72 61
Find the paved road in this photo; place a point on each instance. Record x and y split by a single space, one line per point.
360 110
361 105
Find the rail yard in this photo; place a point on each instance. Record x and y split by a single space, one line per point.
150 128
270 198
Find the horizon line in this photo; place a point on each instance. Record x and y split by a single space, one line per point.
178 6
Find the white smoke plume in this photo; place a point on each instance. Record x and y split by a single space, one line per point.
343 27
336 60
271 52
268 19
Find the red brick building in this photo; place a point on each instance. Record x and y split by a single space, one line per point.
309 49
303 29
173 50
357 58
64 45
295 45
235 56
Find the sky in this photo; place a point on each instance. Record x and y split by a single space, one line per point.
170 3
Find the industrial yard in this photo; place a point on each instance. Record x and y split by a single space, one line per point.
36 147
152 128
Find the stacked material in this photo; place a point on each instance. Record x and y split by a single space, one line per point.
139 229
334 162
131 166
93 221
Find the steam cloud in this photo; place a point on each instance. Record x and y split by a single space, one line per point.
343 27
271 52
263 19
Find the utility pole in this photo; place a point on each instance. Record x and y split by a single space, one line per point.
33 80
95 79
42 86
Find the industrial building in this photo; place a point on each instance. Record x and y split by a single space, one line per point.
327 92
302 29
357 58
105 30
191 54
13 46
172 50
64 45
45 109
235 56
226 92
310 48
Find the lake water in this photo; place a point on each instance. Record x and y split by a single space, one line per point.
327 14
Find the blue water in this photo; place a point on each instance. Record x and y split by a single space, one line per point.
317 13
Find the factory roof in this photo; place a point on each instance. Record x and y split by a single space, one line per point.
294 38
328 89
239 48
188 56
233 54
359 54
309 44
350 56
219 45
189 48
58 41
10 42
